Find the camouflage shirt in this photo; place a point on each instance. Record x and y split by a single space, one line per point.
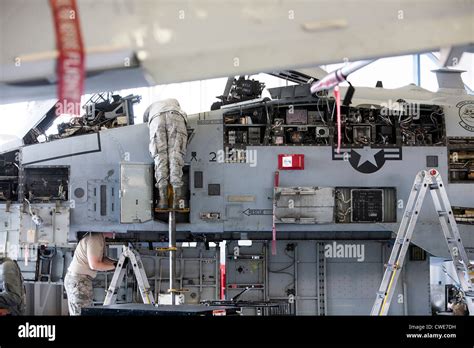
162 106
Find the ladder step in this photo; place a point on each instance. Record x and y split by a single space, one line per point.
442 213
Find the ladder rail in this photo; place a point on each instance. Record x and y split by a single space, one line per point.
387 279
458 254
404 237
142 280
407 215
117 278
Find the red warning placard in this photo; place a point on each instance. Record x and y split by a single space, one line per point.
70 63
291 162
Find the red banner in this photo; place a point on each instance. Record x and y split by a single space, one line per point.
337 95
70 63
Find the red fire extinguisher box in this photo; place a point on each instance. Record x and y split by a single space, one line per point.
291 162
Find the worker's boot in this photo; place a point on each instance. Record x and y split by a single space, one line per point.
179 201
163 202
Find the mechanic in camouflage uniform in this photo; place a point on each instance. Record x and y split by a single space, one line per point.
89 257
12 289
168 140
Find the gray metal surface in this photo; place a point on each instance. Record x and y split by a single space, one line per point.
54 229
45 299
240 195
237 179
304 205
347 286
320 169
9 230
136 192
351 284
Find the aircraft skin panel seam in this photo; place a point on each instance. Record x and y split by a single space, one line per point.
69 155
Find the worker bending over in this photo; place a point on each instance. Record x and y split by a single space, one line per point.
168 140
89 257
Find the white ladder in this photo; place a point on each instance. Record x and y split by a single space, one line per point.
425 180
142 280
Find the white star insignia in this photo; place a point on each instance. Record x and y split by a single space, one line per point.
367 154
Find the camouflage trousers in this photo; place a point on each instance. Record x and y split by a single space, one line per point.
12 288
168 141
79 292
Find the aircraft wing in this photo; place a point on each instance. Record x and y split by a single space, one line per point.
147 42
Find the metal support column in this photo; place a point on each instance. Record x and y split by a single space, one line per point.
295 279
321 278
172 251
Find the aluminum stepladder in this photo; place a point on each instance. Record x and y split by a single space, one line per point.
425 180
142 280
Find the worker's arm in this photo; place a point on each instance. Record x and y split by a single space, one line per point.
11 296
108 260
96 259
98 263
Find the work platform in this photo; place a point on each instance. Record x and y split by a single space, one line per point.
141 309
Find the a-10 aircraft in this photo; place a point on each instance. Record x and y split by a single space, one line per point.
96 174
256 169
